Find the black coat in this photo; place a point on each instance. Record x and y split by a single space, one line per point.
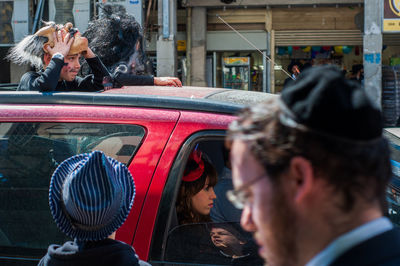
383 249
47 80
126 79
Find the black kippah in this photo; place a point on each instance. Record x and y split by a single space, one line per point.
322 99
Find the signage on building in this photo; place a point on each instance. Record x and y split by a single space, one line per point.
77 12
235 61
181 45
391 16
13 21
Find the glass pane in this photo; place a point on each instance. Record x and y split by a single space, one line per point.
29 153
212 244
236 73
393 191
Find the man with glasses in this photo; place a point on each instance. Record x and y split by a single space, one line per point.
310 169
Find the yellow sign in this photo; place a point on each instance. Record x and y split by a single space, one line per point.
181 45
236 60
391 16
391 25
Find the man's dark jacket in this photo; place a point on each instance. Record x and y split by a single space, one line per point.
383 249
47 80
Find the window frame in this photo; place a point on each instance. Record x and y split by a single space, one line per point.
169 195
158 123
32 253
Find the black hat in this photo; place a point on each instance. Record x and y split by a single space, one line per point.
292 64
322 100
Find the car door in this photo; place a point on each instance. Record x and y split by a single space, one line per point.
35 139
193 128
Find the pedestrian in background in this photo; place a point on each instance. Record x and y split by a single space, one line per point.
117 38
357 73
310 170
294 70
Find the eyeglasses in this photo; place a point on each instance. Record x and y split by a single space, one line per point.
238 197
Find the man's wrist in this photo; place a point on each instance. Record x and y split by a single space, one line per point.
58 56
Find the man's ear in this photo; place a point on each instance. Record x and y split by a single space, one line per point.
302 179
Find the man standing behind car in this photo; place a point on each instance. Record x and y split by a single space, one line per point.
310 170
55 50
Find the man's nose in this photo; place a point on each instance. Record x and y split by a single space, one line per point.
246 220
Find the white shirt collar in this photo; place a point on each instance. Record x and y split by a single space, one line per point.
350 239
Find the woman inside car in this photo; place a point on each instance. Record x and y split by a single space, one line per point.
190 240
196 194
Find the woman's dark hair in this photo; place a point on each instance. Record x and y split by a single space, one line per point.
188 189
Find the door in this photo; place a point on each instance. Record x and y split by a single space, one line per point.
34 140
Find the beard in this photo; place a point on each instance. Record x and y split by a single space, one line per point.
281 248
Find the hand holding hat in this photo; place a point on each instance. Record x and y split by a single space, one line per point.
51 39
58 34
61 44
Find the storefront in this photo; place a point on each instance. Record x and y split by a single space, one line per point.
341 48
308 35
233 63
316 47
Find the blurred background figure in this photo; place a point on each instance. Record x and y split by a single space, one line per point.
294 70
117 39
357 73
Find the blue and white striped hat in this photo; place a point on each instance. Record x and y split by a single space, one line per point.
90 196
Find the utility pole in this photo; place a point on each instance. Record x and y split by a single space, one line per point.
166 42
373 49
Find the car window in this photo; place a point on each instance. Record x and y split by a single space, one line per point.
212 244
29 153
393 190
192 244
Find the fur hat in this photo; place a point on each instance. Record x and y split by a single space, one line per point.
32 48
116 38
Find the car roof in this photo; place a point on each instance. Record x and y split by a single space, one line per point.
217 100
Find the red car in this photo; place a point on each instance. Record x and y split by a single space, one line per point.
150 129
